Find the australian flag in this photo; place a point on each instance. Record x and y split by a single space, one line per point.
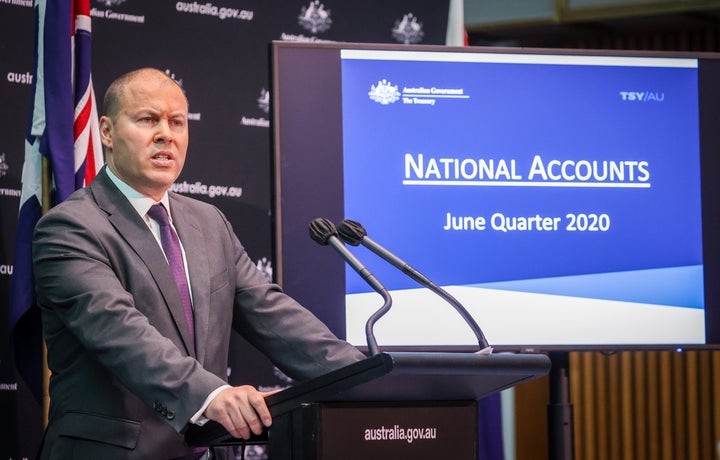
62 128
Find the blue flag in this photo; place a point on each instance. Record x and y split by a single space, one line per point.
63 127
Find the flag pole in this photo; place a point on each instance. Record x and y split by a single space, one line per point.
46 185
45 205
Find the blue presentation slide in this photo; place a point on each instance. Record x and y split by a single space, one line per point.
564 190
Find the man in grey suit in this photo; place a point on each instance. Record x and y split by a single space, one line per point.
131 367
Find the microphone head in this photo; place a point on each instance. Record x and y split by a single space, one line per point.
321 230
351 232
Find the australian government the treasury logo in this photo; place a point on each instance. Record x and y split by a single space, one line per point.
7 192
109 13
264 100
264 265
385 93
315 17
263 103
195 116
4 167
408 30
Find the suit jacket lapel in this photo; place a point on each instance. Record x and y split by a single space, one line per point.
190 234
138 236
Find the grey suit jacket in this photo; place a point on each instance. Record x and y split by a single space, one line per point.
126 377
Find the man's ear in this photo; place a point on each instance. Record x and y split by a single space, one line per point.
106 131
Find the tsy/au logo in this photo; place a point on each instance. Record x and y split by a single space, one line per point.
642 96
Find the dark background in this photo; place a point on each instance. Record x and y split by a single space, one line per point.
233 64
223 66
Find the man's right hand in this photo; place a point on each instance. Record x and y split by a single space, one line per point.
241 410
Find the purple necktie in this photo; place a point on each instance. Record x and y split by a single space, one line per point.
173 252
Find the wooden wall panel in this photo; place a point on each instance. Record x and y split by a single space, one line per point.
646 405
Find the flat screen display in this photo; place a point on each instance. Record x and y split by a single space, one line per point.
565 199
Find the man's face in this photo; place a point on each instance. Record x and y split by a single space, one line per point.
147 140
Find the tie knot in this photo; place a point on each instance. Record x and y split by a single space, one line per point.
159 214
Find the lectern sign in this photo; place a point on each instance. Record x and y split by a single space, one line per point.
445 430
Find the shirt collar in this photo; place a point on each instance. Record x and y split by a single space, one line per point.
140 202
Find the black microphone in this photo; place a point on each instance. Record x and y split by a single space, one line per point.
353 233
323 232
